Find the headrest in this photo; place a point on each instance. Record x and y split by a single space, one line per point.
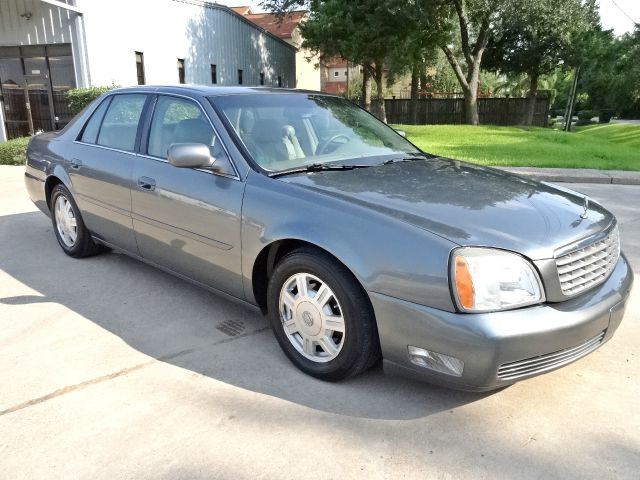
266 130
193 130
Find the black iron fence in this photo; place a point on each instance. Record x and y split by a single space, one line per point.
492 111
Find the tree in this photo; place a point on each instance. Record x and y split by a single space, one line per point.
610 77
540 37
476 20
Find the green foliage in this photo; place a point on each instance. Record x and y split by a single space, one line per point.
610 74
14 152
585 116
606 147
79 98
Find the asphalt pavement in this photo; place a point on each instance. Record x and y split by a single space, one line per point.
110 369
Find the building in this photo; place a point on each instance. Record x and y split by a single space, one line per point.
308 74
50 46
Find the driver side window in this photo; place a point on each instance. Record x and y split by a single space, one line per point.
177 120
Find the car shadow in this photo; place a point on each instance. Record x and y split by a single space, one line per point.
186 326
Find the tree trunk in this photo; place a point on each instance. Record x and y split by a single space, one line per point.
531 98
413 106
471 107
379 110
366 88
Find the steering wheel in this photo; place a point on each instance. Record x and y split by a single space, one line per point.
322 148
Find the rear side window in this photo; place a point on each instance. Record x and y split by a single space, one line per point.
91 129
176 120
120 124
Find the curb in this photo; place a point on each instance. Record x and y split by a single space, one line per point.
578 175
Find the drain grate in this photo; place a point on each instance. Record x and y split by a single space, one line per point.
231 327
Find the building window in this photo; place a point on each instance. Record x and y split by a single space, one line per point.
261 78
279 81
239 77
140 67
346 73
214 74
181 70
336 73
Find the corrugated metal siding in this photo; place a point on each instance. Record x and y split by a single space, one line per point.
200 32
48 24
221 37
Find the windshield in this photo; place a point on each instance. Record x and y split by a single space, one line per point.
286 131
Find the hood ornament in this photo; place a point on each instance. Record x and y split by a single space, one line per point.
585 205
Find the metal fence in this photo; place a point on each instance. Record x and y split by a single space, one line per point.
492 111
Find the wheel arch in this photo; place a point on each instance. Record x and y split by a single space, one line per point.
269 257
56 177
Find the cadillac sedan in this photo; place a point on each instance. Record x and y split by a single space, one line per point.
355 243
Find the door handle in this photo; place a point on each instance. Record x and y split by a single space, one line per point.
146 183
76 163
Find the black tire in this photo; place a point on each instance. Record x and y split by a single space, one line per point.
361 348
84 246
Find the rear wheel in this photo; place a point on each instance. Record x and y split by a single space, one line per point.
72 235
321 316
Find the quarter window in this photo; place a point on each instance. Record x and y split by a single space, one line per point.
92 127
120 125
176 120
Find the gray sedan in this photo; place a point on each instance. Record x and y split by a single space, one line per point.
355 243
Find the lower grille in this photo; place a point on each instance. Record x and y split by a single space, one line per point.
542 363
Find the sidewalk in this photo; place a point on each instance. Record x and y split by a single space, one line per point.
571 175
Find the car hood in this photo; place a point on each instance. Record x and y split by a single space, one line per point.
467 204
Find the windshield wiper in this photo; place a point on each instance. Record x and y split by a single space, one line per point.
317 167
402 159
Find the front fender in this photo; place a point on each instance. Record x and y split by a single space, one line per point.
386 255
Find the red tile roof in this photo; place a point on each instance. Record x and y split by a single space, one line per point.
269 22
242 10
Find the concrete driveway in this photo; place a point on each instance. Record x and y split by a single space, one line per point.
111 369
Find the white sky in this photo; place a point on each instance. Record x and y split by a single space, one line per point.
612 17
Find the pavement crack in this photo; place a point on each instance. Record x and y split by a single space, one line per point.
120 373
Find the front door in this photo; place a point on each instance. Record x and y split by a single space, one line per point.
185 219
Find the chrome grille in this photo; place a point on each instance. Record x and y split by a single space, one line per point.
588 266
542 363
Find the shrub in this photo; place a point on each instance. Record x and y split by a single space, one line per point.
585 116
14 152
78 98
606 115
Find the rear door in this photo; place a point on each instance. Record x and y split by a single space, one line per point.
187 220
101 167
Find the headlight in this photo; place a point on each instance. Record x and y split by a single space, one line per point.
486 279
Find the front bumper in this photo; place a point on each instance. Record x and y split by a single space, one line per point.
502 348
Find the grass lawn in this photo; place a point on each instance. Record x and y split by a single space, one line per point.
605 147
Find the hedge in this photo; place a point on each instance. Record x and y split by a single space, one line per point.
14 152
78 98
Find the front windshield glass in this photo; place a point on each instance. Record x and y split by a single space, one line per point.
285 131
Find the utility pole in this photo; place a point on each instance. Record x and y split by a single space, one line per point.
568 116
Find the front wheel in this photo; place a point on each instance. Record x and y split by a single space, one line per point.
321 316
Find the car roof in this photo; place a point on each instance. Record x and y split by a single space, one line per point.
206 90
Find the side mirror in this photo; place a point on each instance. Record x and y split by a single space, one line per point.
190 155
402 133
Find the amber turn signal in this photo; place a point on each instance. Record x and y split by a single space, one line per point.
464 283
